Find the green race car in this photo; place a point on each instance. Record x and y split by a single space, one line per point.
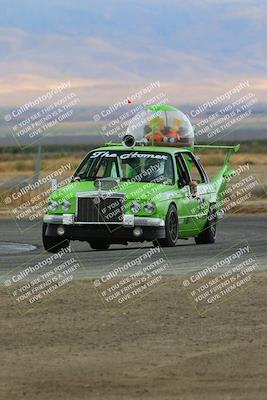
152 187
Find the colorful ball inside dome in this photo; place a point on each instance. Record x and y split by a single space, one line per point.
162 125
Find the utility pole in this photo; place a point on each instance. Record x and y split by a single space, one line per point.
38 156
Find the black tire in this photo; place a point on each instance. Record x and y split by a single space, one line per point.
53 244
208 235
99 245
171 229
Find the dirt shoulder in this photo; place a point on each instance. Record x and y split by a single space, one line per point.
158 348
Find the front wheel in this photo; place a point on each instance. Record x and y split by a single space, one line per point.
208 235
99 245
171 229
53 244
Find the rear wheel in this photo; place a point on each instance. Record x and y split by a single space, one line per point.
53 244
171 229
208 235
99 245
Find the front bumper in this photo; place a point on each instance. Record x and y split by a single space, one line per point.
152 228
128 221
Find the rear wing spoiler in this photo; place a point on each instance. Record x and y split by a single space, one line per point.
230 149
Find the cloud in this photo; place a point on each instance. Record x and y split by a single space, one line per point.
194 48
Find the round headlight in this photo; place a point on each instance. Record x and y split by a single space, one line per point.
65 205
149 208
52 205
135 206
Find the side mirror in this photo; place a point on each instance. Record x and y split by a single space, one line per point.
181 182
75 179
193 188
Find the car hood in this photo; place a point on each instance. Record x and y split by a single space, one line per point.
132 190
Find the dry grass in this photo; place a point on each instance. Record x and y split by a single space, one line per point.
15 168
15 164
237 159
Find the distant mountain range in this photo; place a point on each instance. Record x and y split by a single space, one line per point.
82 129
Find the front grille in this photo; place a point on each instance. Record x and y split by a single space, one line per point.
87 210
100 209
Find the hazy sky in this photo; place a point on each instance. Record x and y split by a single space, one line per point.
108 49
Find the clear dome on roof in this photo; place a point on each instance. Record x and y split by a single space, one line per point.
161 125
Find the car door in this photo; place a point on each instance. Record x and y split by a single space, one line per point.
200 188
188 205
192 201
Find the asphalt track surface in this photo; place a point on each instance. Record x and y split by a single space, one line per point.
185 257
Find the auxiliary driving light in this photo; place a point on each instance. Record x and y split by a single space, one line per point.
60 230
137 231
149 207
65 204
136 206
52 205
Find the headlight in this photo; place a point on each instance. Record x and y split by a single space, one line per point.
52 205
149 207
65 205
135 206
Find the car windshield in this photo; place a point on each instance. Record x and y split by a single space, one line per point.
135 166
